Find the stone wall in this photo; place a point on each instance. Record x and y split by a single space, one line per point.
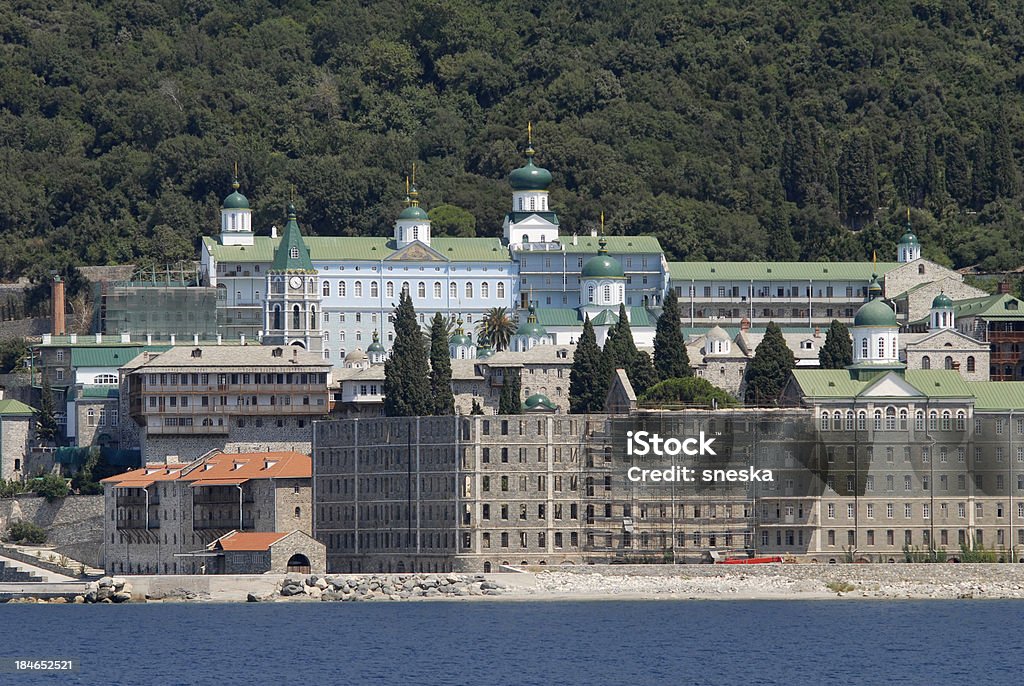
24 328
245 439
283 550
15 433
74 524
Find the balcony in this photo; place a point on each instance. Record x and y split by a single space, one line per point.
227 523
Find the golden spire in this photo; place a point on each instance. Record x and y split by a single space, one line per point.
529 133
602 222
908 214
414 173
234 180
414 195
874 261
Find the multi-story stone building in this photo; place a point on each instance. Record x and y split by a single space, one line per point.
17 426
154 517
188 401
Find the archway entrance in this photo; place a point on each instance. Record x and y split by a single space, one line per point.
298 563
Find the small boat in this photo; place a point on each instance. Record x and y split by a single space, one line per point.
774 559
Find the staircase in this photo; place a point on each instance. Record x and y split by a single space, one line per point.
16 571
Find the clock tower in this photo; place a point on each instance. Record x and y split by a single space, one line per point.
293 313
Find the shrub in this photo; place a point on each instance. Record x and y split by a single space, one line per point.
688 391
51 486
11 488
26 532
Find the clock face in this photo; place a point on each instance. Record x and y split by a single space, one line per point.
296 282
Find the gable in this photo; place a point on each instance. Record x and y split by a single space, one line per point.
932 271
947 339
890 386
416 252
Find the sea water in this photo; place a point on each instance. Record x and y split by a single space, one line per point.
524 642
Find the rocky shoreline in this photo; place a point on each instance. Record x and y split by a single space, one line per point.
597 582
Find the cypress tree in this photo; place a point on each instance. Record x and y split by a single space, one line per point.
440 368
837 352
641 373
858 180
511 401
768 371
958 172
586 373
47 430
477 409
619 348
982 183
670 357
1004 169
406 371
910 169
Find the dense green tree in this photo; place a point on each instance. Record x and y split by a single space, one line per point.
511 400
957 168
477 408
47 429
449 220
910 174
858 180
670 357
641 372
689 391
768 372
406 371
441 394
619 348
588 385
1005 173
837 351
13 352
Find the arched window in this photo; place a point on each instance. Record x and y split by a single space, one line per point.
485 290
948 362
881 348
294 252
341 289
453 290
849 420
469 289
374 290
890 419
607 294
421 290
864 347
277 316
389 289
590 294
401 234
878 420
296 317
920 269
824 421
91 414
358 289
837 421
405 287
533 202
970 363
312 317
105 379
926 362
501 290
862 420
327 288
312 287
437 290
520 204
919 420
903 419
895 353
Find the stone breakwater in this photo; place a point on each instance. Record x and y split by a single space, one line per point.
919 581
384 587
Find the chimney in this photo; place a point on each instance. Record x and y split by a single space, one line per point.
273 231
574 241
172 340
99 338
241 339
817 332
195 339
593 233
1003 288
744 324
149 339
126 338
57 293
220 339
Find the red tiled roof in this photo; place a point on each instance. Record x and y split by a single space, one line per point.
146 476
248 540
233 466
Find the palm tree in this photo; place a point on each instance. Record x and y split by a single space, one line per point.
497 327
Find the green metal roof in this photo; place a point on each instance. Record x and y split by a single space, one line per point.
839 383
517 216
777 271
566 316
558 316
875 313
99 392
539 400
292 255
14 407
338 248
605 318
112 356
998 306
616 245
998 395
529 177
413 212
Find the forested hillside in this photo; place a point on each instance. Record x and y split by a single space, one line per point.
727 131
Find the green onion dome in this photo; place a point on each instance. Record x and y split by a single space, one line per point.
529 177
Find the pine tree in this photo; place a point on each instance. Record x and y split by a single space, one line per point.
440 368
47 430
982 183
477 409
619 348
770 369
586 378
511 401
406 371
670 357
837 352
